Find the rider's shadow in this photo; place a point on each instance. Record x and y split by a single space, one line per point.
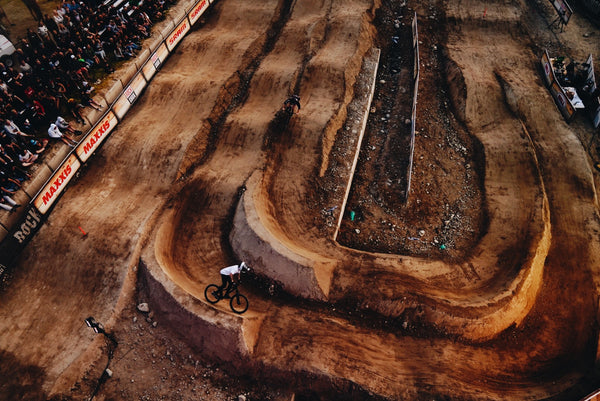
279 131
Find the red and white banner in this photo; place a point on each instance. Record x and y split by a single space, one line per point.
96 136
197 11
129 95
48 195
155 62
178 34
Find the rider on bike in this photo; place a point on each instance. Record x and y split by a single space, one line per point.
293 102
230 276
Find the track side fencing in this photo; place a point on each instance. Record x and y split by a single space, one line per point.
120 99
560 97
413 119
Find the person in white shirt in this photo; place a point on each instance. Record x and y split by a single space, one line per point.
64 125
230 275
54 132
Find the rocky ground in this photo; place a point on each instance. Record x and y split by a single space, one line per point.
442 214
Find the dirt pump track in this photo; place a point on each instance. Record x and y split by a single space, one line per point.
190 182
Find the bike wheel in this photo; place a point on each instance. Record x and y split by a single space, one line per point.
211 293
239 303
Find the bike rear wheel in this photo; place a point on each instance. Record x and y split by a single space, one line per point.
239 303
211 293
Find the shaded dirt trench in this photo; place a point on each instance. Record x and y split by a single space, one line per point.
202 125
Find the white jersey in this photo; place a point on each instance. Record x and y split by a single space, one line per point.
61 123
235 269
54 132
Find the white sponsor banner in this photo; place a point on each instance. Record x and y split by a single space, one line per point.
48 195
96 136
197 11
129 95
178 34
155 62
563 9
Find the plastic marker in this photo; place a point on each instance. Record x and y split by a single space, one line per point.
83 232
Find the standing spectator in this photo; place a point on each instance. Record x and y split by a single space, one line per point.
43 32
57 15
50 23
33 38
64 33
86 100
24 66
12 130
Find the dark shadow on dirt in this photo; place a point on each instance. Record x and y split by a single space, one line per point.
20 382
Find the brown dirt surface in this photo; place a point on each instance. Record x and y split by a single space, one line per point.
199 176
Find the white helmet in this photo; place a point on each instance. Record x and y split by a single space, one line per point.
244 267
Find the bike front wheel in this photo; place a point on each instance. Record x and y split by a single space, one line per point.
239 303
211 293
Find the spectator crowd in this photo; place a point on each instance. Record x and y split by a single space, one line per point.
51 77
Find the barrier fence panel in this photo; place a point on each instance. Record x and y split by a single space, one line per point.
155 61
547 67
591 82
560 97
197 11
563 9
57 184
37 210
129 95
180 31
96 136
416 73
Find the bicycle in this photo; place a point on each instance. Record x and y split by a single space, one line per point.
238 302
